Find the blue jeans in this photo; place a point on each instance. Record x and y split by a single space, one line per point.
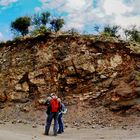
60 123
49 121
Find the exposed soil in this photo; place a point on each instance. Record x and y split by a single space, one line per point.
27 132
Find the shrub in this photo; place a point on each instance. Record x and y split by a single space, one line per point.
21 25
132 34
39 31
57 24
111 31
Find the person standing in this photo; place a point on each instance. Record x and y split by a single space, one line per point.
52 113
62 111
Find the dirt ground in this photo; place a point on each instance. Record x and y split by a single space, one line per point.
10 131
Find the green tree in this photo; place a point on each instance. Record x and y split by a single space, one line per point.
21 25
111 30
36 20
41 19
57 24
44 18
133 34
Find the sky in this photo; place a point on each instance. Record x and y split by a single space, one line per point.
82 15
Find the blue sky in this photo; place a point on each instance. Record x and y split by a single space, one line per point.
79 14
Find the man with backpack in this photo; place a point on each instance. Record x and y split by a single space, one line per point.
52 112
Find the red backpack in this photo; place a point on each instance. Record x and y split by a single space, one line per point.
54 105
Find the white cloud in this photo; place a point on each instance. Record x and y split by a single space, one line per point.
78 11
123 14
127 21
75 5
6 2
115 7
136 5
82 12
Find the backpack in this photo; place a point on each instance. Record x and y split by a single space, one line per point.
54 105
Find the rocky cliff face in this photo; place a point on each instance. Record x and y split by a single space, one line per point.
81 70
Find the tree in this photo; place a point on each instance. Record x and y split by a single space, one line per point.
36 20
97 28
126 33
133 34
111 31
21 25
44 17
57 24
41 19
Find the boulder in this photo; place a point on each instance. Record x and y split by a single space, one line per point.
17 96
124 90
22 87
37 81
103 76
115 60
84 62
88 66
34 74
70 70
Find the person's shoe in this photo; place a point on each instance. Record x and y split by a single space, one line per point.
55 134
46 134
59 132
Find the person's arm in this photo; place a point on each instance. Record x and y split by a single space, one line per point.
48 109
64 109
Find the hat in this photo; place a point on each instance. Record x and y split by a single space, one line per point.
52 94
